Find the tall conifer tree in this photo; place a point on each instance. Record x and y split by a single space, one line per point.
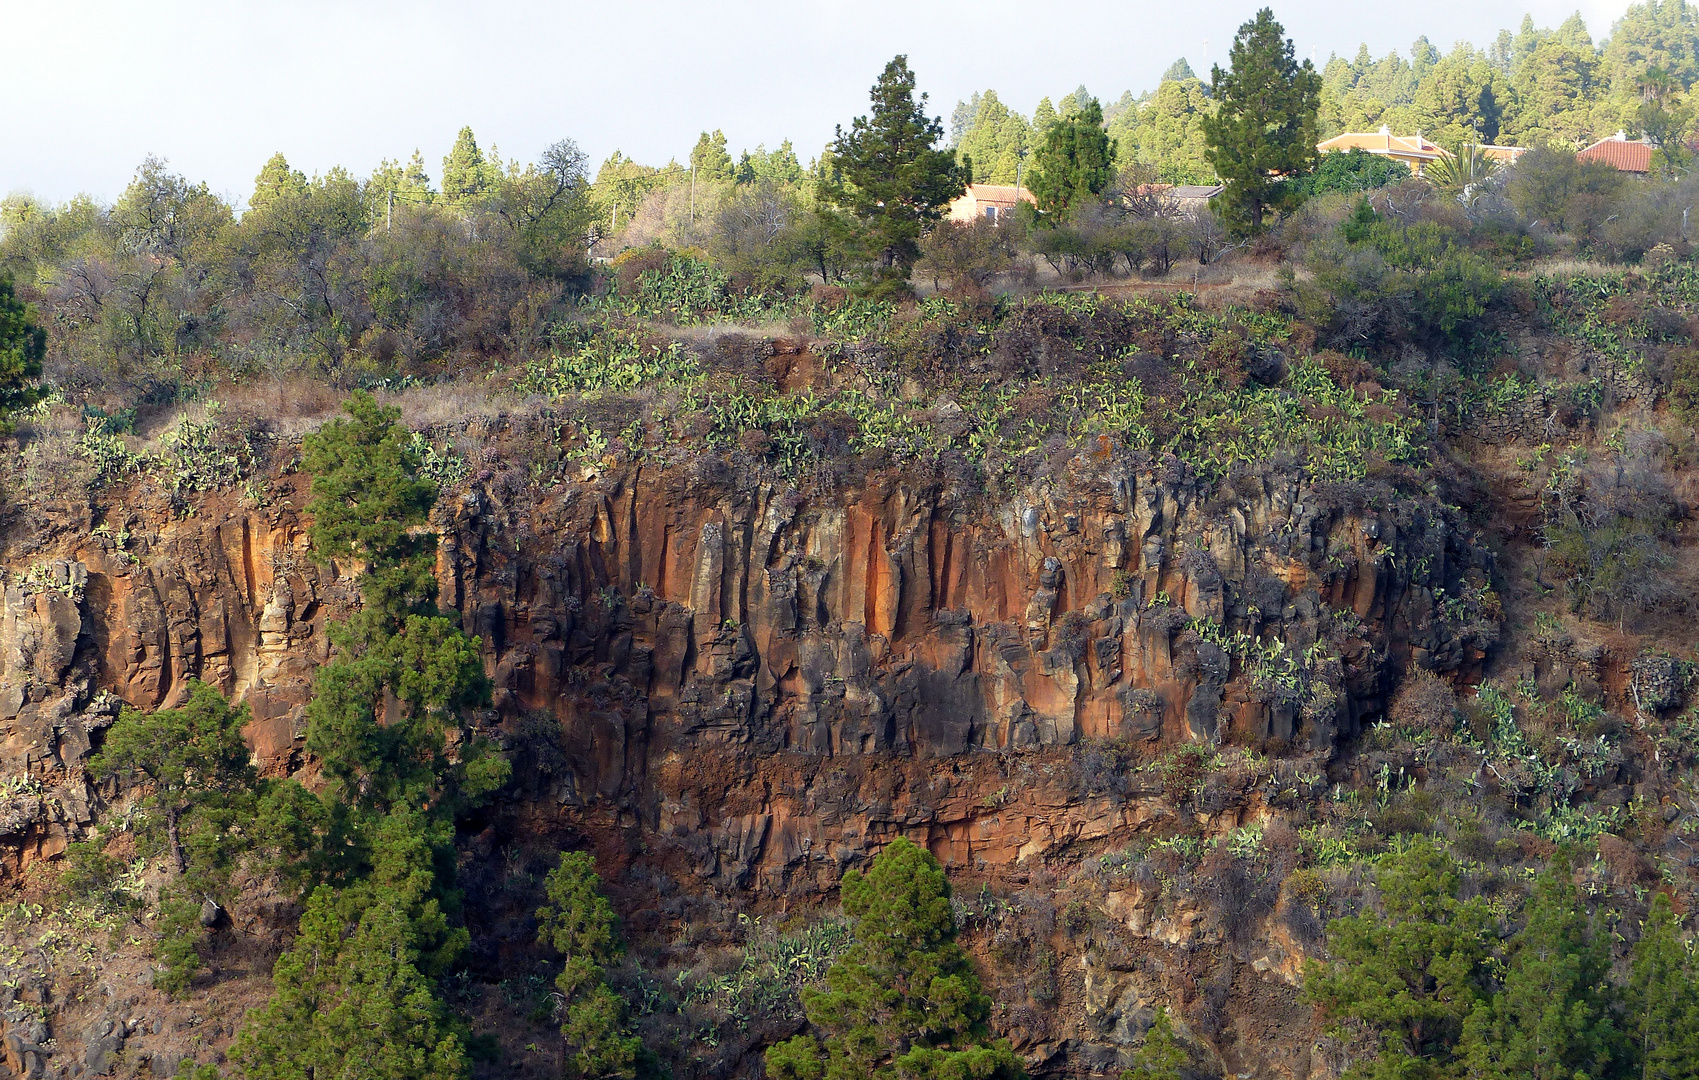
1075 163
894 179
1263 135
904 1001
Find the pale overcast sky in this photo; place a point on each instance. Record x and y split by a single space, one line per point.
88 87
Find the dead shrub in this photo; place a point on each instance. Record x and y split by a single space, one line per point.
1424 702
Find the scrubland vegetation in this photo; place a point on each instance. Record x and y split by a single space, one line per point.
1494 878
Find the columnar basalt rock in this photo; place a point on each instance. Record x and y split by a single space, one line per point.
779 683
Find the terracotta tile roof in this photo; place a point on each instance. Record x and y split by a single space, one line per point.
1385 142
1622 154
998 193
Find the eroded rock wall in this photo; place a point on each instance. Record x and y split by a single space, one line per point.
778 683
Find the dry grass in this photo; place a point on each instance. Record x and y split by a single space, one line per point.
1568 267
449 404
1242 282
291 405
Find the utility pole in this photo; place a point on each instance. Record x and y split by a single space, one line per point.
389 209
693 193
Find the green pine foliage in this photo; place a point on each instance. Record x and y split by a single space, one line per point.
904 1000
710 161
1263 133
467 173
1160 1056
1075 163
1448 995
580 924
1554 1016
894 180
367 498
1663 998
22 345
360 984
1164 132
355 995
994 141
202 796
1414 971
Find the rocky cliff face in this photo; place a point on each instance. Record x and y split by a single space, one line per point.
763 685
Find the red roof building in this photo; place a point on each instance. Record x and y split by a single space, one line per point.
1621 153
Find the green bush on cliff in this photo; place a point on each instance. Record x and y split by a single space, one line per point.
201 795
904 1000
360 983
580 924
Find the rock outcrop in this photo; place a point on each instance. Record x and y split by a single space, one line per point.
765 686
708 656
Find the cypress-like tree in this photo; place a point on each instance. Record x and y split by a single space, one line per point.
1553 1018
580 924
893 179
1075 163
1663 999
904 1000
1263 135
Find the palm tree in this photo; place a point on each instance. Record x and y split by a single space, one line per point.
1463 172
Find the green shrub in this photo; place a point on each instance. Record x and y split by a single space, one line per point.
904 1000
1354 170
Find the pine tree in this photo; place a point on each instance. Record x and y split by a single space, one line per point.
398 655
201 794
710 159
894 178
367 497
580 924
409 182
197 766
1179 71
1042 117
277 182
1074 165
350 1000
1263 134
1663 999
1553 1018
1160 1056
904 1000
22 345
467 174
1413 971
